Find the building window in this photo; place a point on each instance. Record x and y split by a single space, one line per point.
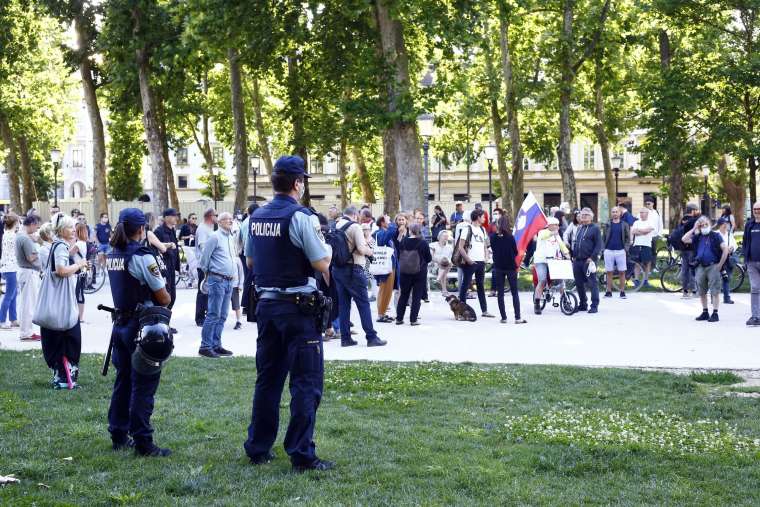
460 197
77 157
551 200
591 200
317 167
318 197
217 155
526 164
589 157
181 181
182 156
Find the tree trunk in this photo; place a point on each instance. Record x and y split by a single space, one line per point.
390 182
241 137
601 134
11 163
360 165
406 142
296 111
173 199
752 164
261 133
343 176
99 189
751 160
734 189
675 178
30 194
506 190
150 122
564 155
510 103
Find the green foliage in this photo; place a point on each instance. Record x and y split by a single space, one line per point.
126 152
715 377
222 186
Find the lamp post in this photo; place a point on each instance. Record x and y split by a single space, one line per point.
257 160
425 124
616 163
215 190
439 180
55 157
706 195
490 155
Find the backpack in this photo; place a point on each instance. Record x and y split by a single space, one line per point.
675 237
409 262
338 241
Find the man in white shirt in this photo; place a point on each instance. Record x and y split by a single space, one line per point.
473 247
655 219
643 232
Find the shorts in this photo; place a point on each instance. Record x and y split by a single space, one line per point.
614 259
708 279
542 271
104 248
641 254
235 299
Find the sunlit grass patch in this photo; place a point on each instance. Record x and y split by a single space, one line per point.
715 377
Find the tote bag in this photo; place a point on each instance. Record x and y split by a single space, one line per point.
382 261
56 304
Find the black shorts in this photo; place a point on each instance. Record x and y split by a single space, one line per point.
641 254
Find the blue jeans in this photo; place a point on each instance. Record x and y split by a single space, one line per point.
351 282
219 299
8 306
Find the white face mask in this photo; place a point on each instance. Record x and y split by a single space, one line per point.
705 230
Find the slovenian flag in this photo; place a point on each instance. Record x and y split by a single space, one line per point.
530 220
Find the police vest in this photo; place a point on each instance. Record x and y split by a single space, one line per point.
127 291
277 262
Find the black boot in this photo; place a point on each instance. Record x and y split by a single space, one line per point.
537 307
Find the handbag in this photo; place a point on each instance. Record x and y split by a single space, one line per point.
456 257
56 304
382 261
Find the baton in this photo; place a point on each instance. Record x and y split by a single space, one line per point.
107 361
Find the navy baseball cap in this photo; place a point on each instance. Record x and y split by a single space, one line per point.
132 216
291 164
723 220
170 212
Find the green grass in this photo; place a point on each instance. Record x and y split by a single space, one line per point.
715 377
402 434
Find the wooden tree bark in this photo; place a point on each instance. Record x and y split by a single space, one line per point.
735 191
99 189
299 132
11 163
171 185
600 132
360 164
241 136
751 160
30 194
390 182
343 175
406 143
150 122
674 162
510 103
261 133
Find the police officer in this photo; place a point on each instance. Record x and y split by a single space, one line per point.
287 247
135 279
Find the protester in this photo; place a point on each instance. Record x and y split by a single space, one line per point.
332 217
727 214
385 237
27 257
458 216
237 289
655 219
643 232
202 235
218 266
686 250
751 250
187 236
46 237
80 253
351 282
166 234
626 216
9 270
588 246
504 250
569 235
710 254
724 229
103 232
549 246
486 218
414 256
442 250
438 222
245 230
473 247
421 220
616 238
64 347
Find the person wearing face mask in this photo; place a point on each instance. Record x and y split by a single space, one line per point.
710 254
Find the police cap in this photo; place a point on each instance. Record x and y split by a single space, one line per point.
291 164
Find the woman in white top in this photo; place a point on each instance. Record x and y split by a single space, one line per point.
237 288
726 232
442 251
9 268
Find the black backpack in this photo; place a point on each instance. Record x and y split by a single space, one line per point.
338 241
675 238
409 262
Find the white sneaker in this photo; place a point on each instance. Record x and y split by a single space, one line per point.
5 326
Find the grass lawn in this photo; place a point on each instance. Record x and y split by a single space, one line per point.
402 434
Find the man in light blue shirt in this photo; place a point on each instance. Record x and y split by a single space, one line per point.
218 266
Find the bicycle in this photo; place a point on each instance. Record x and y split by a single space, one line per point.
670 279
665 255
186 277
634 277
560 297
95 276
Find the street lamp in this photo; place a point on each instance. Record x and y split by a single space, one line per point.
215 191
255 159
490 155
617 161
705 196
425 124
55 157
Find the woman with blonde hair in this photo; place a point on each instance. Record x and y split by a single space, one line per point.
62 349
46 238
442 251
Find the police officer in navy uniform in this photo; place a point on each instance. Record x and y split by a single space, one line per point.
135 278
287 248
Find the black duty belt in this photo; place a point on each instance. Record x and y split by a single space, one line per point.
290 297
225 277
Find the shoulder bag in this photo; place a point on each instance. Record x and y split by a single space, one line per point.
56 304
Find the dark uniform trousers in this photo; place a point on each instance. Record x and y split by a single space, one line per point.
288 342
133 393
170 278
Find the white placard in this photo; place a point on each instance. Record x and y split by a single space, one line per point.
560 269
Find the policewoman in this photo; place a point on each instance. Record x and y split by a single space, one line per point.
141 339
287 247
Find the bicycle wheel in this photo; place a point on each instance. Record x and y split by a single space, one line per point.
95 281
670 279
737 277
568 303
543 301
634 278
663 257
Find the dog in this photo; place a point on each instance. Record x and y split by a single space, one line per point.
462 311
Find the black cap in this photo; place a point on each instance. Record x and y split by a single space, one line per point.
170 212
291 164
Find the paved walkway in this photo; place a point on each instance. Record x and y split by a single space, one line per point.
647 330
